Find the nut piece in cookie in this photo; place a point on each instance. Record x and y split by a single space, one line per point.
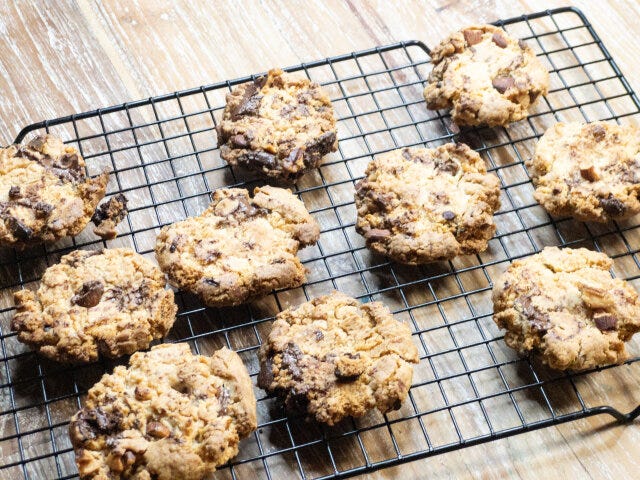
563 305
239 248
111 302
588 171
109 215
45 194
418 205
335 357
169 415
280 125
485 76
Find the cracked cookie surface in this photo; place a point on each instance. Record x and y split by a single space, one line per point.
588 171
239 248
169 415
45 194
95 302
280 125
485 76
563 305
335 357
418 205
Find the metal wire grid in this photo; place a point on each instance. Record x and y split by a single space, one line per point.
469 388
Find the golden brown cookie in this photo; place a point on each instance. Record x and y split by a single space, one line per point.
563 305
239 248
170 415
485 76
335 357
419 205
95 302
45 194
588 171
280 125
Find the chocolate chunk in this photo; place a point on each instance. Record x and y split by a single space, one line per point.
295 155
319 335
265 377
448 215
69 161
14 192
211 281
157 430
376 234
499 40
101 420
605 322
613 206
18 229
321 145
42 209
589 174
522 44
349 366
90 294
260 157
250 103
540 321
472 37
240 141
448 166
502 83
291 355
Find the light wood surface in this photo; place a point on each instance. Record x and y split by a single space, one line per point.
64 57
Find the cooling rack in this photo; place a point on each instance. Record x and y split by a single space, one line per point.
469 387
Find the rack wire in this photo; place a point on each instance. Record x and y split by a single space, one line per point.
469 387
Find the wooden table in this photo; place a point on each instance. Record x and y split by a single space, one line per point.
64 57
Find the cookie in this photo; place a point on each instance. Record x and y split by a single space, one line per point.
170 415
95 303
45 194
563 305
335 357
588 171
280 125
485 76
108 215
418 205
240 248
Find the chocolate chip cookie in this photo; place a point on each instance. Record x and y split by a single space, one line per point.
280 125
418 205
170 415
95 302
45 194
485 76
588 171
563 305
334 357
239 248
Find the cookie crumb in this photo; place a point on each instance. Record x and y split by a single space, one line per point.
108 215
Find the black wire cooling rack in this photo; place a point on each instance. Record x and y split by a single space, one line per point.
469 387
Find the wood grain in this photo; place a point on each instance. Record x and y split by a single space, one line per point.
64 57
